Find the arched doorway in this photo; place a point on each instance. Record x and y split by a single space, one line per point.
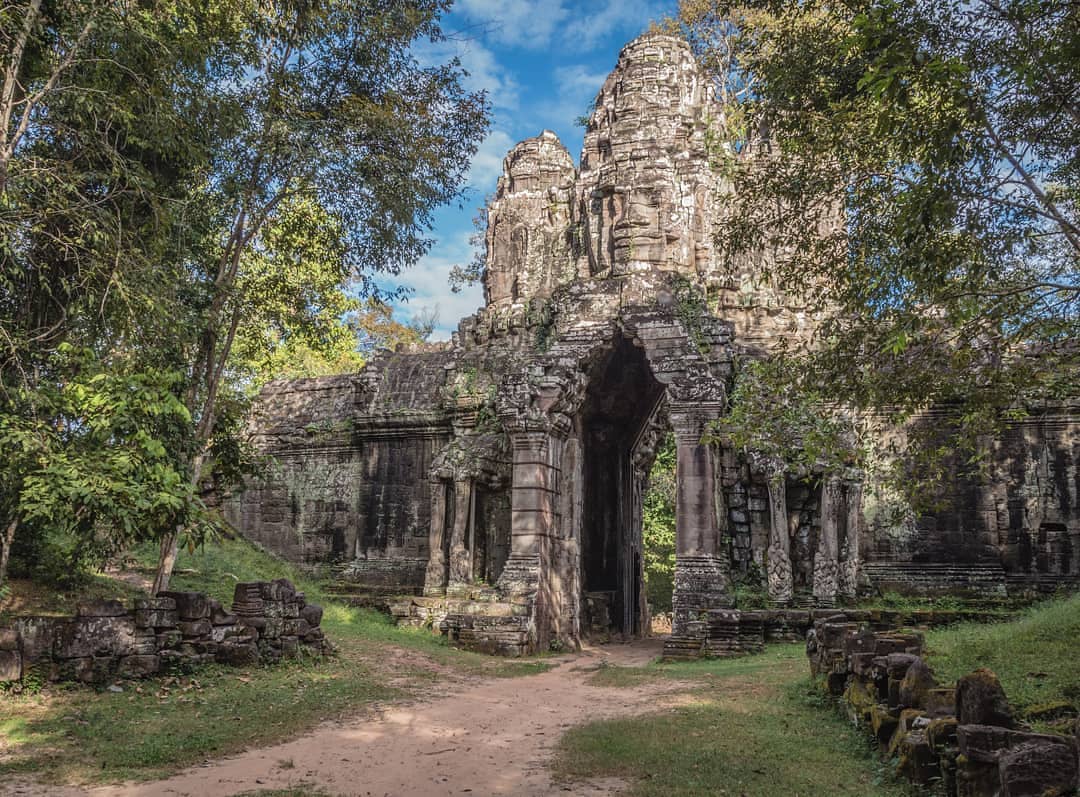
622 398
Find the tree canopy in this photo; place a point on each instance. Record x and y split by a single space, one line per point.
910 171
195 198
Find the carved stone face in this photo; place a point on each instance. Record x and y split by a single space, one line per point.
644 168
530 209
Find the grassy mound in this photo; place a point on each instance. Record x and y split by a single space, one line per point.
1035 656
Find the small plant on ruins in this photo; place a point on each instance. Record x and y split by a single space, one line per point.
692 308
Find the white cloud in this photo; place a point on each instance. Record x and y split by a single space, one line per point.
488 162
614 16
516 23
429 281
485 73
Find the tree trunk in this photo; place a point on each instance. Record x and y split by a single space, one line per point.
170 543
5 552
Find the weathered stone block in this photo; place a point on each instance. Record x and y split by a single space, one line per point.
190 605
290 647
1038 768
156 613
238 654
916 760
195 628
980 700
312 613
95 636
36 635
10 665
9 639
138 666
917 682
295 627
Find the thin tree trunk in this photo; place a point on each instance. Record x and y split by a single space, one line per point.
5 552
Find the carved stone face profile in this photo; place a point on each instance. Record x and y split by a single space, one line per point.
530 208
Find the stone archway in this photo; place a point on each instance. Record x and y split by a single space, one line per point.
621 399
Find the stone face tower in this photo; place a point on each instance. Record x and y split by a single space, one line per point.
493 486
643 198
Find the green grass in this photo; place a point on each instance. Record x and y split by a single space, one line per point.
754 726
1035 656
70 733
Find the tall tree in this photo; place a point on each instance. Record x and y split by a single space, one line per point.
947 134
336 110
105 121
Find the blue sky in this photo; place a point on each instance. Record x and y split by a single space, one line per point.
541 62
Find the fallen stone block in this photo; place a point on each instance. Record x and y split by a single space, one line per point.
917 682
190 605
312 613
1037 768
980 700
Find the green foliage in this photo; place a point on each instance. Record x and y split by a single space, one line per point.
785 425
658 528
88 468
203 193
692 308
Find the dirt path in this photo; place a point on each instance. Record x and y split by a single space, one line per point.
492 737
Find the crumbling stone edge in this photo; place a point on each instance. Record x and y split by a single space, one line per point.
963 738
269 621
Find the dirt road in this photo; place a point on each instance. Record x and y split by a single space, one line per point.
491 737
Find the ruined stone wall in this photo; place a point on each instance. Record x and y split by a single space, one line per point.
961 738
106 640
1013 528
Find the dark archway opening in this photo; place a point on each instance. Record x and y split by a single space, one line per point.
621 397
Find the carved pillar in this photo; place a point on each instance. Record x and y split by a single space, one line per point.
780 585
436 574
826 564
533 503
460 553
701 571
848 583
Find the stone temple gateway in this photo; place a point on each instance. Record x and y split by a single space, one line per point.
493 485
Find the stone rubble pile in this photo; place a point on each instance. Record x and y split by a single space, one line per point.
962 738
269 621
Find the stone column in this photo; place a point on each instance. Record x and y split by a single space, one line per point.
701 570
436 574
533 503
848 582
781 589
826 564
460 555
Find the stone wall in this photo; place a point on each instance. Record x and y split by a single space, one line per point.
962 737
106 640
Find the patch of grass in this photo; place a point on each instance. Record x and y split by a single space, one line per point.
754 726
1035 656
28 597
154 727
